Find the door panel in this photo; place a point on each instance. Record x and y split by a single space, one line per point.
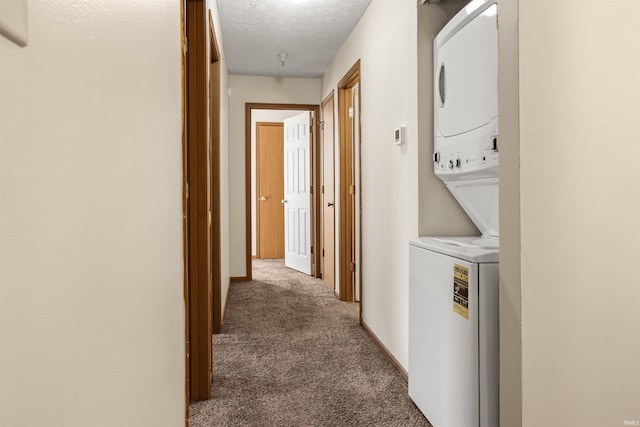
346 258
198 153
270 191
356 180
348 205
349 191
328 195
302 237
297 197
302 168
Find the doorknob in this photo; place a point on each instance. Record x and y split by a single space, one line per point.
283 201
262 199
330 204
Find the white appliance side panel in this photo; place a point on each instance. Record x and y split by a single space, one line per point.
443 356
466 76
489 358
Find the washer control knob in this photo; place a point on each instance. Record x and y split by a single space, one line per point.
458 162
436 157
450 164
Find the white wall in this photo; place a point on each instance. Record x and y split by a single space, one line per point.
401 198
250 89
580 201
91 271
224 156
273 116
386 34
509 289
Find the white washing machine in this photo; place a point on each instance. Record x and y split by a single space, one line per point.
453 286
453 332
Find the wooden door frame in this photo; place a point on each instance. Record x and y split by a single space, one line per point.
185 222
314 159
257 181
330 98
347 288
197 200
214 118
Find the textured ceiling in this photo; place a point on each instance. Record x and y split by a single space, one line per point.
255 32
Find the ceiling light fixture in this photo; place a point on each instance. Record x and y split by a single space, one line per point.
283 57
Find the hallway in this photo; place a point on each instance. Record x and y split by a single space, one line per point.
291 354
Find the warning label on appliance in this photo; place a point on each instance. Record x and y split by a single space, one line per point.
461 290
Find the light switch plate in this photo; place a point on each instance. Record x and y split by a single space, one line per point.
13 20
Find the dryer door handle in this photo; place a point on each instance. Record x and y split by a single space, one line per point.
442 85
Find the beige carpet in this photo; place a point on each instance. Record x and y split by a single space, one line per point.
291 354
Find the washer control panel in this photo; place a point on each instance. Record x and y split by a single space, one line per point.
467 157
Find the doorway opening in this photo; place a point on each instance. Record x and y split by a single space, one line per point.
254 231
350 246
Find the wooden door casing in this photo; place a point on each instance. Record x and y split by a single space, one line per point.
249 107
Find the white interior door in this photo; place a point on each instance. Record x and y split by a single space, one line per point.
297 194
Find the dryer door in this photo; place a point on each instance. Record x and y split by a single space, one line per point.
466 75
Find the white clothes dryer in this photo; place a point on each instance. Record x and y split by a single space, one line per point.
466 113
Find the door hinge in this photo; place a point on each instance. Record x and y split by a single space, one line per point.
323 252
321 125
311 250
352 267
352 189
311 189
350 111
186 44
187 190
322 189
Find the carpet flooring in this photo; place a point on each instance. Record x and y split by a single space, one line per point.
291 354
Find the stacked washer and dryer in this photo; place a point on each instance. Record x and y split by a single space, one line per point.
453 281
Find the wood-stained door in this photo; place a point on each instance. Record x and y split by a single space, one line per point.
198 196
350 213
355 220
215 179
270 190
328 193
